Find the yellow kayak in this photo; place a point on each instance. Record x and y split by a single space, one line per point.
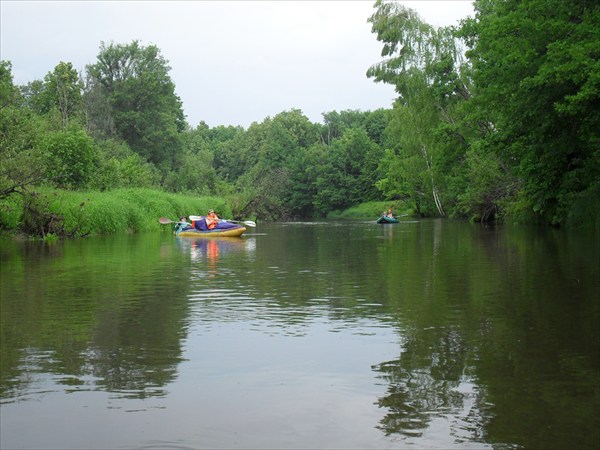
228 232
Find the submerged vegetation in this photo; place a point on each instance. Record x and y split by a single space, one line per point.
495 119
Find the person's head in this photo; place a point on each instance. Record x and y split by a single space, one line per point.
210 211
183 219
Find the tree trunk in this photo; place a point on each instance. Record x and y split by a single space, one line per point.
436 197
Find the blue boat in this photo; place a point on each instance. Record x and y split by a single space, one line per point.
387 219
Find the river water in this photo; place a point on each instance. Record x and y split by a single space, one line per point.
422 334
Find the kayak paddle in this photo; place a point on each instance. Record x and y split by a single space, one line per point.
166 221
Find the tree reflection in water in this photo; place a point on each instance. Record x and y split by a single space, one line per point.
430 381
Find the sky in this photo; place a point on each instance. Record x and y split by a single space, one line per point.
232 62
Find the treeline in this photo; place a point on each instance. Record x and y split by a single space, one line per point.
499 117
495 119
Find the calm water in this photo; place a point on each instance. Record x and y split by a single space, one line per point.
426 334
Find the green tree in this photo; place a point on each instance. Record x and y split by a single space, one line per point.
336 123
536 71
64 88
146 111
60 92
70 156
196 172
120 167
99 120
346 176
304 172
21 163
424 63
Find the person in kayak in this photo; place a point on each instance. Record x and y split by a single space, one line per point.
182 224
211 219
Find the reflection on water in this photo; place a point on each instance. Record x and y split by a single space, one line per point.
428 334
211 248
207 251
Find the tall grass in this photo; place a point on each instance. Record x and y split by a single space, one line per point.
116 211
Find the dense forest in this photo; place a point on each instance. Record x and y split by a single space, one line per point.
496 119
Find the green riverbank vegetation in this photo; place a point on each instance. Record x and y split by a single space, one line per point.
496 119
50 213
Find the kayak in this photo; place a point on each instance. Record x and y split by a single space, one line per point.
192 232
223 229
386 219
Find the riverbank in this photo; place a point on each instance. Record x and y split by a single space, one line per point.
51 213
372 210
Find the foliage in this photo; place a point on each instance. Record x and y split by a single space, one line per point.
486 186
61 91
346 177
147 113
11 212
119 167
424 64
541 59
196 171
21 164
496 119
70 156
371 210
72 213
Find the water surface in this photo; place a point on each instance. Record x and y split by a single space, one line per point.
422 334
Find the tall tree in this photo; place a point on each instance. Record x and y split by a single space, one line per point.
536 69
147 113
60 91
64 89
424 64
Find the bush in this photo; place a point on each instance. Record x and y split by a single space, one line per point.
70 156
11 212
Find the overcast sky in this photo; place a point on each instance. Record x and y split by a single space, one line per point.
232 62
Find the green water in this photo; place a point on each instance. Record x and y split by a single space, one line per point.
422 334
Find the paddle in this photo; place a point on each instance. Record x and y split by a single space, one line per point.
166 221
249 223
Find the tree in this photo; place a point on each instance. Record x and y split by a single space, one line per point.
60 91
21 164
146 111
120 167
304 172
535 68
70 156
64 88
196 173
424 65
346 176
99 120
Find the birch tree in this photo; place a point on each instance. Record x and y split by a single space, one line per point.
424 64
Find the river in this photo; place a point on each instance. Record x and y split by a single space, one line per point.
421 334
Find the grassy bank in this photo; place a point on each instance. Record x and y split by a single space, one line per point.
51 212
371 210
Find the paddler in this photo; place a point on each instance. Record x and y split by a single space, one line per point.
211 219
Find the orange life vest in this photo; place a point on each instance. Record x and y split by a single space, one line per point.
211 221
